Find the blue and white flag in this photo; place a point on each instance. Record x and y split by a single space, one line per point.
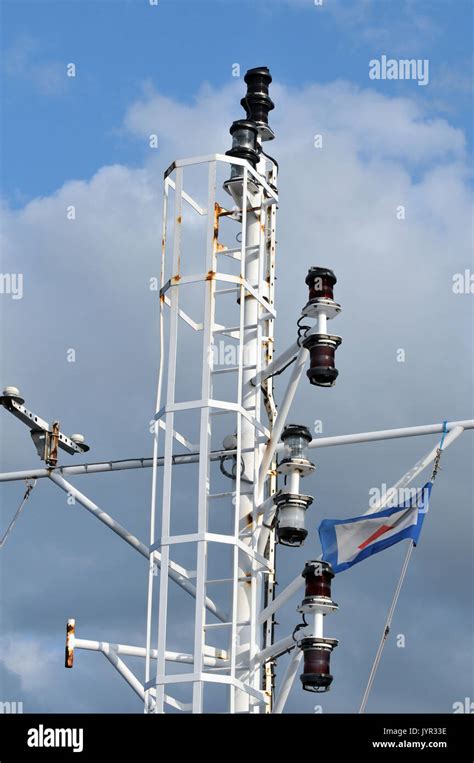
346 542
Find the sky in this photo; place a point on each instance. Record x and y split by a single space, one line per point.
83 140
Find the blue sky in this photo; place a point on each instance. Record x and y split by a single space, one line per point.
84 141
56 128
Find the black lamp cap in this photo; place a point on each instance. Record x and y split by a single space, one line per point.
316 682
311 565
322 376
257 102
293 430
316 272
260 72
243 124
291 536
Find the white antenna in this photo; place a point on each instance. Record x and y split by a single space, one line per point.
217 429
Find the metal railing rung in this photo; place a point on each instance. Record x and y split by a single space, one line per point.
238 249
226 580
230 369
234 328
208 626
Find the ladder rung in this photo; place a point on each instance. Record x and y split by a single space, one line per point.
229 492
225 625
235 328
229 369
226 580
237 249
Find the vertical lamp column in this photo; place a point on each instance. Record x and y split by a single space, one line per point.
321 345
291 504
316 676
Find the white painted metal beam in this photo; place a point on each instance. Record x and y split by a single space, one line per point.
140 651
192 458
287 682
281 417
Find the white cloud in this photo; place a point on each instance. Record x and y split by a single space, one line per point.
22 60
399 28
368 121
28 659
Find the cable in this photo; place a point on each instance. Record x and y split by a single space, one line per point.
231 475
272 160
304 624
277 373
436 466
387 625
300 330
29 488
222 468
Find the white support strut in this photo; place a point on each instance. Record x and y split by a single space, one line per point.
192 458
212 658
282 416
287 682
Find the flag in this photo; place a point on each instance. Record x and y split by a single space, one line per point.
346 542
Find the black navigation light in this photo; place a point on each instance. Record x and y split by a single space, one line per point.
249 133
316 674
244 145
291 518
321 283
257 102
322 308
316 604
295 439
292 505
322 349
318 576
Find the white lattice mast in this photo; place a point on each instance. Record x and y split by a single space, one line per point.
251 187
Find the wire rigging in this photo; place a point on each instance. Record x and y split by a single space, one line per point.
29 488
